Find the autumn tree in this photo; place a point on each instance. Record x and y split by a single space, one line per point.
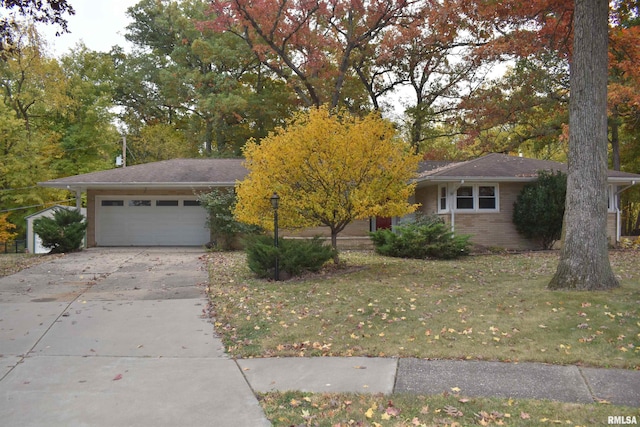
312 45
329 168
436 53
209 87
584 258
6 229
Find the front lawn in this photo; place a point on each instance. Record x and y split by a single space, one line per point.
307 409
483 307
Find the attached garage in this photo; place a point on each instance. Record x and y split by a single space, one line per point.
150 221
153 204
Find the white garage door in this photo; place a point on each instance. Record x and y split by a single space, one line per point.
150 221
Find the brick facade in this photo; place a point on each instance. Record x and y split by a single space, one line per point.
492 229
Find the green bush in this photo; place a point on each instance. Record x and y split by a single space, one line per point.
62 233
539 208
295 256
224 228
426 237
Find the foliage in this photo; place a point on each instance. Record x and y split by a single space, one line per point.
539 209
224 228
47 11
55 121
295 256
329 168
481 307
207 87
426 237
324 50
627 243
6 229
62 233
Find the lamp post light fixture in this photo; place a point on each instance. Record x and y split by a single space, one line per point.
275 200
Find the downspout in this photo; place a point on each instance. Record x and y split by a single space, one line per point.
451 205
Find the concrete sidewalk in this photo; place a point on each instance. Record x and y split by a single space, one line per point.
472 378
110 337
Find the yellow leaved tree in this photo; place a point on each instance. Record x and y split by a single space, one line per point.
6 229
328 168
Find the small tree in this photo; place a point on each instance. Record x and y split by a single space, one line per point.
329 168
224 228
6 229
62 233
539 208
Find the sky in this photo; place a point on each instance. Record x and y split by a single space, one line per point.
99 24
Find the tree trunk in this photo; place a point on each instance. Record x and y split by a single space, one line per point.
584 257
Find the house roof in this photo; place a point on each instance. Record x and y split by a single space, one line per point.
501 167
52 208
202 173
175 173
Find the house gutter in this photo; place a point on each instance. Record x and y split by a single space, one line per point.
83 186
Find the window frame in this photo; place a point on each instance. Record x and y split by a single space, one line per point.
451 200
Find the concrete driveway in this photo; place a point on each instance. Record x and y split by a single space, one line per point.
116 336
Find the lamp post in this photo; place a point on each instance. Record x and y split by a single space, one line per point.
275 200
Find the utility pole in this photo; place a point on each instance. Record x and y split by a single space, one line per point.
124 151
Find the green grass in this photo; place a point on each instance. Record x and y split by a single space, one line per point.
305 409
485 307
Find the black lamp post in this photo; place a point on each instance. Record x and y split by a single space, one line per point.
275 200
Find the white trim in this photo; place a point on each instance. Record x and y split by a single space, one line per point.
475 196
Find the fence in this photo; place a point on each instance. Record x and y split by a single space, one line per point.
15 246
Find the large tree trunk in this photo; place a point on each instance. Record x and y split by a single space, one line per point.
584 257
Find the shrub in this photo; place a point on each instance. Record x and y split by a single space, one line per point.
426 237
62 233
539 208
295 256
220 220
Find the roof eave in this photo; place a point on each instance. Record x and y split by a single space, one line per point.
83 186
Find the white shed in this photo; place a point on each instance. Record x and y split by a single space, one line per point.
34 244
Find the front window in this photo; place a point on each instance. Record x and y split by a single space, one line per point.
465 198
442 207
486 197
472 198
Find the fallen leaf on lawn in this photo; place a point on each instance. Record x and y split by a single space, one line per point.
524 416
369 413
452 411
542 326
393 411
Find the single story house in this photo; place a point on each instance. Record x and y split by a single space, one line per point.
476 197
34 243
155 204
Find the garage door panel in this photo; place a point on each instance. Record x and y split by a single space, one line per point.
132 223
